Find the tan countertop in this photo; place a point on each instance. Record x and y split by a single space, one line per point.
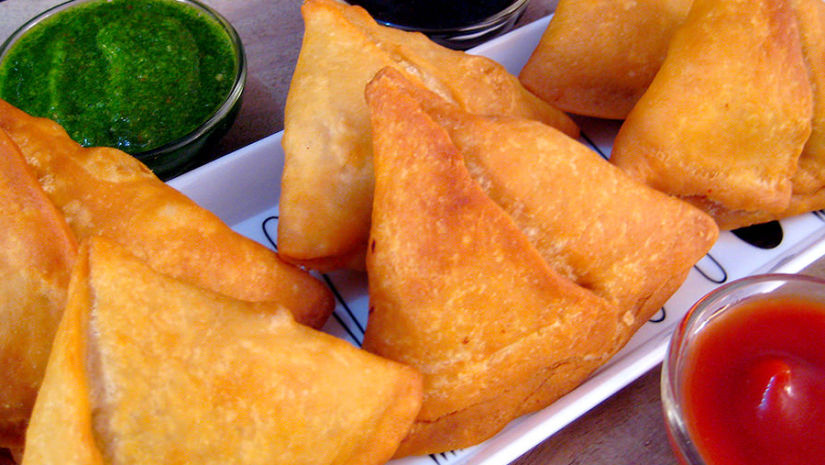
628 428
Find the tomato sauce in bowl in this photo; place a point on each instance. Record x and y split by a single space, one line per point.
744 381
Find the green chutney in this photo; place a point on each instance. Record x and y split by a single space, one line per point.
130 74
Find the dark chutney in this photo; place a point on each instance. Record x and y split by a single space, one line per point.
433 14
129 74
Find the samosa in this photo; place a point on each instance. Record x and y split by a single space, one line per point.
808 182
37 250
597 57
327 185
810 175
723 123
147 369
624 241
103 191
458 292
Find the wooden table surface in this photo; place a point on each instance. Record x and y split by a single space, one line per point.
628 428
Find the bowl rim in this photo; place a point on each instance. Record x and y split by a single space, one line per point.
222 111
676 425
475 28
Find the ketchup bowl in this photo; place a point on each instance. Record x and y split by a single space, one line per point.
743 381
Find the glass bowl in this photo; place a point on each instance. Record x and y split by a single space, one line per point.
441 24
185 152
747 319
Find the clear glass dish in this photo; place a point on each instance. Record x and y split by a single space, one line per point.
718 303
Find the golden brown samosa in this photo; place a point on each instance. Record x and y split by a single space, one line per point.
103 191
37 250
725 120
624 241
808 182
458 292
597 57
147 369
810 175
326 190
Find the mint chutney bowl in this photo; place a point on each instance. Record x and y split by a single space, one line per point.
159 79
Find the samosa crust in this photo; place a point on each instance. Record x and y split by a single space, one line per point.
103 191
726 118
147 369
808 181
37 250
327 185
458 292
810 175
597 57
624 241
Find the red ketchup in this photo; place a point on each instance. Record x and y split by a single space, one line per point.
755 384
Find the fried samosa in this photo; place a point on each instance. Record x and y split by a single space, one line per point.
103 191
810 175
725 120
597 57
632 245
458 292
37 250
327 185
808 182
147 369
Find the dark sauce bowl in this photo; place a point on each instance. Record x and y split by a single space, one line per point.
185 152
455 24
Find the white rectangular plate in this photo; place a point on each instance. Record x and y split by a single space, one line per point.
243 189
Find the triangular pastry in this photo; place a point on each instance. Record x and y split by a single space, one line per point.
458 292
810 175
103 191
622 240
326 190
723 123
147 369
37 250
808 182
597 57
